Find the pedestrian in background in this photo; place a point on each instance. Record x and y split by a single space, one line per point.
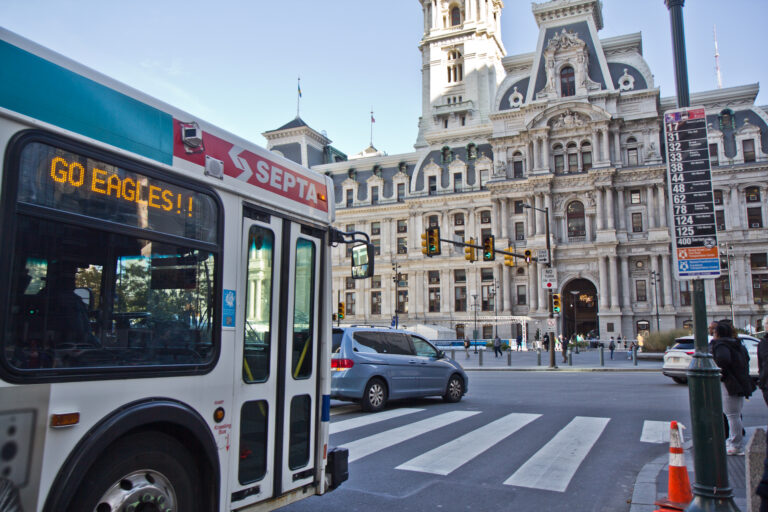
564 346
612 346
545 342
519 342
733 360
631 349
497 346
466 346
762 382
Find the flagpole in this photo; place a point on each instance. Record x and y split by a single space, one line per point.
372 121
298 98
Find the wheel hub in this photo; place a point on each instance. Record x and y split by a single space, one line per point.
140 491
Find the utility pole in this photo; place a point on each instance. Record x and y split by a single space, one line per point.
711 489
655 276
474 307
396 279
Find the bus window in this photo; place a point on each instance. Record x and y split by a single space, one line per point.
258 305
303 307
151 305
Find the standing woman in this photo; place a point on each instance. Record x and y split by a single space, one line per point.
732 358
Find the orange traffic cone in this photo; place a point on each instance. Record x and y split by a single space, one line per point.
679 493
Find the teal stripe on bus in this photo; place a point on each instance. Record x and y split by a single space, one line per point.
43 90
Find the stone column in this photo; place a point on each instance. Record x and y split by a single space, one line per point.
666 269
506 283
587 228
602 273
662 195
610 211
622 213
654 288
616 149
604 148
614 281
495 207
471 222
595 148
734 209
504 217
530 219
739 273
533 298
542 294
651 211
538 215
599 213
545 151
625 296
548 206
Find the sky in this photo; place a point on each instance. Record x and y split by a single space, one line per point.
235 63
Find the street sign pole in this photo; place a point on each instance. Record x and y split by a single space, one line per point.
689 189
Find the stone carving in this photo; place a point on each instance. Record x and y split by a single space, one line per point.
569 119
565 39
515 99
566 48
626 81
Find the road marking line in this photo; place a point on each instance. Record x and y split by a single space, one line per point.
371 444
369 419
448 457
553 466
655 432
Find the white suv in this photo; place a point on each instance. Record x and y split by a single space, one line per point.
678 357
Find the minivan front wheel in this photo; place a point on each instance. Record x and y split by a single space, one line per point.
374 396
454 390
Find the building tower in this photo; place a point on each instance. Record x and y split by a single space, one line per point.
461 68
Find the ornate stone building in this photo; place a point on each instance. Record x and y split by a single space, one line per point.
572 128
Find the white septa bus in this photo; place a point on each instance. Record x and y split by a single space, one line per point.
165 303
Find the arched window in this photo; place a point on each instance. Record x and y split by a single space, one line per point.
586 156
455 16
573 157
567 81
517 165
559 157
632 158
575 218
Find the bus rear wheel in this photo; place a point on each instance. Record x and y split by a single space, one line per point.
149 471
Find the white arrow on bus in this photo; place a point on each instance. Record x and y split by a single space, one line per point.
240 163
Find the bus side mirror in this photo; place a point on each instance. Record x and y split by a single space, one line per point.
362 261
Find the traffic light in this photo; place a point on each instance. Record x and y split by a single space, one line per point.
509 260
556 303
489 253
430 242
469 252
527 253
340 314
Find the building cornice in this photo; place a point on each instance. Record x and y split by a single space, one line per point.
741 95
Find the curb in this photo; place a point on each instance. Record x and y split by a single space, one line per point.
562 369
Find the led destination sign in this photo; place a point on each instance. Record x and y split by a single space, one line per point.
690 190
63 180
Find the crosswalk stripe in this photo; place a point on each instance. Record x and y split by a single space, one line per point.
371 444
655 432
553 466
446 458
369 419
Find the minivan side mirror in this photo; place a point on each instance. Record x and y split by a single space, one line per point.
440 354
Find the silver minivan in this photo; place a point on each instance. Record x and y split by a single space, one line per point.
373 365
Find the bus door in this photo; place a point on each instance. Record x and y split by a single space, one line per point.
277 332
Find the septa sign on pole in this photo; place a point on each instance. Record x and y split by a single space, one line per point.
689 180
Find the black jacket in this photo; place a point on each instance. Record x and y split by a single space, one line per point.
733 359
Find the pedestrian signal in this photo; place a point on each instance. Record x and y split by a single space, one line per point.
340 315
509 259
469 251
528 255
556 303
489 253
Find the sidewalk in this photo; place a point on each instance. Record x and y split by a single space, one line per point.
652 481
584 361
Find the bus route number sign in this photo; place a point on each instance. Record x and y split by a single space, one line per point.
690 189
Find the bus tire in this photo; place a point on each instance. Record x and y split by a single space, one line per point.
374 395
151 467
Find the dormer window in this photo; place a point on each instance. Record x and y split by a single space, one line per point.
374 195
567 81
455 16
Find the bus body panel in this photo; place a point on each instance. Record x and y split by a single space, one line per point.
156 125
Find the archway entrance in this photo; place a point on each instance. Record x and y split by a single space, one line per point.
579 307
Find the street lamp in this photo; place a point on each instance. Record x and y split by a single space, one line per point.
474 308
549 265
655 276
493 295
575 294
396 279
728 249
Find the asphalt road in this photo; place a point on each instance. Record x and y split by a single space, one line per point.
518 441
